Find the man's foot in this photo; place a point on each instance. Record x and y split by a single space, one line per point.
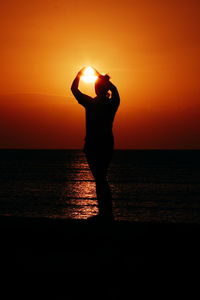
101 218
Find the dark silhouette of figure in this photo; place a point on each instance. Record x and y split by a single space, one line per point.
99 140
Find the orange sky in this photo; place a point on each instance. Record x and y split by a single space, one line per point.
149 48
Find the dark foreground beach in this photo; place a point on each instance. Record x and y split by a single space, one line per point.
79 246
46 197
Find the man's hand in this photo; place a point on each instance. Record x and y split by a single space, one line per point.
97 73
80 73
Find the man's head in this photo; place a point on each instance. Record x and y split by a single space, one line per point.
102 85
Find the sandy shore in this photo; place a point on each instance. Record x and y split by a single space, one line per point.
79 246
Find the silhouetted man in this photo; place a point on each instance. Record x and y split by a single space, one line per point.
99 140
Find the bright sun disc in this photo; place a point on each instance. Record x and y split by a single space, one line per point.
89 75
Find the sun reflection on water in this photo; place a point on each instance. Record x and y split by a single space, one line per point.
80 191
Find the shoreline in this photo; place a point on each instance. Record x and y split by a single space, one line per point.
81 246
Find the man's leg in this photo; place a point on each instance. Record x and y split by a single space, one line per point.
98 166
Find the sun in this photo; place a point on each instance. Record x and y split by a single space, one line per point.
89 75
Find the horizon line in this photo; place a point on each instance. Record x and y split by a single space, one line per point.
118 149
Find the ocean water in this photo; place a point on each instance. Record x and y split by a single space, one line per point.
147 185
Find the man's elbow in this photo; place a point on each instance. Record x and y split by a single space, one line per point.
72 88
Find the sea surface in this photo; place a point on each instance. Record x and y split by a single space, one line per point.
147 185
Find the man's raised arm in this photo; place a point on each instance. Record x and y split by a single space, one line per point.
80 97
115 99
75 83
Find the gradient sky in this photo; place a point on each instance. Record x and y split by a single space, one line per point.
149 48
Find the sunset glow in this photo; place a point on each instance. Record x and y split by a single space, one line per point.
150 49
